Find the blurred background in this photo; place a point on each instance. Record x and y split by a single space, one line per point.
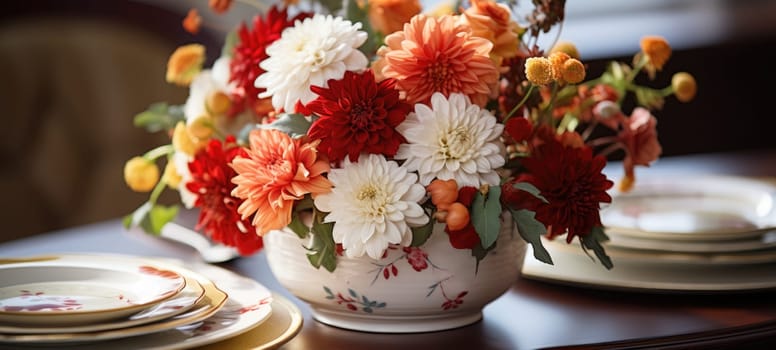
73 73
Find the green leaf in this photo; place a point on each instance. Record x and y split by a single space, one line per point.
298 226
569 122
332 5
479 253
304 205
593 241
485 215
359 14
649 98
532 231
323 249
137 216
245 132
231 40
127 221
157 217
291 124
158 117
421 234
530 188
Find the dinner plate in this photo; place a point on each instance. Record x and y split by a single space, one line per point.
654 257
72 291
283 325
182 302
248 306
214 300
764 241
694 208
639 272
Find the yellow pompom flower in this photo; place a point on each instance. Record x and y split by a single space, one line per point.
573 71
171 176
183 141
185 63
217 103
538 70
684 86
558 59
656 49
566 47
201 128
140 174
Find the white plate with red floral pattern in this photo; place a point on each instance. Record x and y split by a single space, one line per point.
70 291
216 319
184 301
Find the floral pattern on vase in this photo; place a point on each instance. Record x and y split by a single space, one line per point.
409 289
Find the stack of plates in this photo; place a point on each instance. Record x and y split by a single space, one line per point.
709 234
99 301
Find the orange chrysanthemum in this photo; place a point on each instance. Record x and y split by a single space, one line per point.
493 21
278 171
388 16
439 55
657 49
185 63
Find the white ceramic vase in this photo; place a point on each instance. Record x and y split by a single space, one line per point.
429 288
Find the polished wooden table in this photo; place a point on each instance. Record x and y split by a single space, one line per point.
531 314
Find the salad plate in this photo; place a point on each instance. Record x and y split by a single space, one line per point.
71 291
184 301
694 208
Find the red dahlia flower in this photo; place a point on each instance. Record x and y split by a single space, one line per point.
212 183
571 180
357 115
250 51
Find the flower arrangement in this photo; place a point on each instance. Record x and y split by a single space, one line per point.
361 123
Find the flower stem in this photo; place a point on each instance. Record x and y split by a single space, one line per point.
548 110
637 68
157 192
609 150
602 141
589 130
519 104
157 152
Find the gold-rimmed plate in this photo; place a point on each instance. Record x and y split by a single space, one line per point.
182 302
249 305
70 291
213 300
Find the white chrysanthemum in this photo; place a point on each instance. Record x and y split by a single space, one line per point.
221 73
454 139
310 53
201 87
373 204
207 82
181 161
